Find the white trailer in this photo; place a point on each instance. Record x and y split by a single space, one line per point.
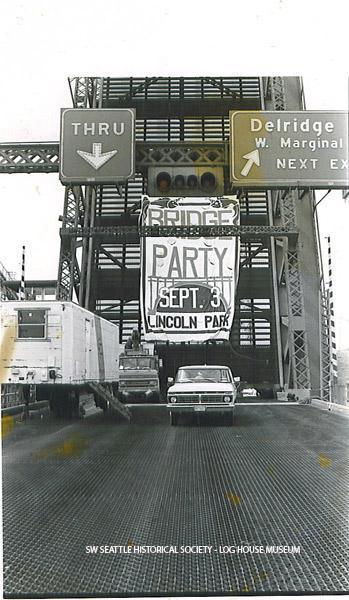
60 348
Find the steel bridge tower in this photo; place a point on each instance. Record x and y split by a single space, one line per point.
280 331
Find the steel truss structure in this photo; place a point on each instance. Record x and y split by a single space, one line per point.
132 232
180 122
29 158
6 293
298 268
280 323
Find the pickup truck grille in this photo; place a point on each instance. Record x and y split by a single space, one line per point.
187 398
211 398
199 398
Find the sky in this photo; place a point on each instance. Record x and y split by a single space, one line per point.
42 43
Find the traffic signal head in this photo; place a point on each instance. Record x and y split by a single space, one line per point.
179 182
186 181
208 181
163 182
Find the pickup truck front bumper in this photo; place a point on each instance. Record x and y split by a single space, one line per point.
201 408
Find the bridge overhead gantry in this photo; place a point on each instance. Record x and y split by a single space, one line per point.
182 122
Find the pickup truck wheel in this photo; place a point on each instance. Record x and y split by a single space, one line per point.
173 418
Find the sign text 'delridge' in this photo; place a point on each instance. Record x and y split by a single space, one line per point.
273 148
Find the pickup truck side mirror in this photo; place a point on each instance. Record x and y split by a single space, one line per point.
237 379
170 381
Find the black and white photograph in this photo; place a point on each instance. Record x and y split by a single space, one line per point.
174 329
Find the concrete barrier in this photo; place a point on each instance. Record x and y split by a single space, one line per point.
339 409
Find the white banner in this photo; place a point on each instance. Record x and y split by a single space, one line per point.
188 284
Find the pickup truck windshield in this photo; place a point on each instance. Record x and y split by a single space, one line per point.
192 375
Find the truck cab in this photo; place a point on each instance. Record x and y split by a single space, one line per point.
139 376
202 389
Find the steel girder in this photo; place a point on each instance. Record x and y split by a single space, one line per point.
68 279
86 92
295 348
325 346
79 210
275 91
31 157
172 154
6 293
295 343
44 158
127 232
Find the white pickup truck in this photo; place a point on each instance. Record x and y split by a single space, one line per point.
202 389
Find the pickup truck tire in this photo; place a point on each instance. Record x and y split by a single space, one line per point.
173 418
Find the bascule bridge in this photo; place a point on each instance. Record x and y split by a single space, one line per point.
281 325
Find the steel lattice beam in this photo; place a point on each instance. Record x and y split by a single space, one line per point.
298 375
182 153
86 92
127 231
44 157
277 93
68 270
31 157
295 350
325 347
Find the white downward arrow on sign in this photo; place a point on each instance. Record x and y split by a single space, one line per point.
96 159
252 158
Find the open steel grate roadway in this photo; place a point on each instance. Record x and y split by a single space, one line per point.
277 477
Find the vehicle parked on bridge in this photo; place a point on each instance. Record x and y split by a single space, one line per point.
56 351
138 372
202 389
139 376
250 393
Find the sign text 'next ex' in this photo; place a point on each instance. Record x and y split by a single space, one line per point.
283 148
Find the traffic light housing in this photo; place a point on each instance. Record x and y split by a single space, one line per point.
185 181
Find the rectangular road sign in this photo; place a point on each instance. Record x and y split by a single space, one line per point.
97 145
289 148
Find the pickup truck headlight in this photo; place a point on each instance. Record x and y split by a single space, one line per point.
227 399
173 399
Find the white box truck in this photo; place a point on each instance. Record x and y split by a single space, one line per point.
60 348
